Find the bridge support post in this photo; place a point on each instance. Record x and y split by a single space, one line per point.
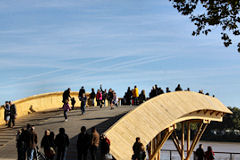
182 142
156 152
201 129
180 147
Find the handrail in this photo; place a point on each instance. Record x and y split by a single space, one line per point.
229 153
214 151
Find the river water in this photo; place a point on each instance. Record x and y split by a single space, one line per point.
216 146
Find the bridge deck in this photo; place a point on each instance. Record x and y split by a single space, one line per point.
101 118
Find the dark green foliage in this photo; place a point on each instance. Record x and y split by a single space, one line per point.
212 14
231 123
219 131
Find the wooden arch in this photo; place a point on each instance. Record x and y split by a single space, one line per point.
155 120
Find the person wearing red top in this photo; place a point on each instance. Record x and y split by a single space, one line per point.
99 98
209 155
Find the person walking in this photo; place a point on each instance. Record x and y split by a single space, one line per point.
135 95
13 113
94 143
62 143
6 112
200 152
110 98
66 95
31 141
66 108
83 143
92 96
115 99
83 103
81 91
104 97
99 98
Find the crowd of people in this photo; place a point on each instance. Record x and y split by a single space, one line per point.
132 97
55 147
201 155
101 97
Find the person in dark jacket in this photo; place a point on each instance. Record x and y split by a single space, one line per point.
83 143
92 96
104 97
20 144
105 146
200 152
13 114
61 142
128 96
167 90
47 144
110 98
83 103
142 97
7 112
179 88
142 153
136 149
81 91
160 91
31 143
66 95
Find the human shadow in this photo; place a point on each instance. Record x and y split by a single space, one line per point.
101 128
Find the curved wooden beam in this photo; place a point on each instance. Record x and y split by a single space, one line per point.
159 113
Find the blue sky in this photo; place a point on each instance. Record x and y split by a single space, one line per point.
48 46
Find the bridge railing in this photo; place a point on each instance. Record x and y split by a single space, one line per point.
173 155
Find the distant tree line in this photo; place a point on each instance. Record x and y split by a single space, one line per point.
228 130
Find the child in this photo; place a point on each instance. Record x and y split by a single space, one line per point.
83 103
66 108
73 101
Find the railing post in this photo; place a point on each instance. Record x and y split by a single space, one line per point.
230 156
170 155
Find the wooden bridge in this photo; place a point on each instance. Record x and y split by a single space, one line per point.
155 121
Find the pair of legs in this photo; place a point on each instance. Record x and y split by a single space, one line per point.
93 150
99 103
11 121
83 109
92 101
30 153
61 154
65 114
82 154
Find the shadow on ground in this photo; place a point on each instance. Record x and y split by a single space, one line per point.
102 127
